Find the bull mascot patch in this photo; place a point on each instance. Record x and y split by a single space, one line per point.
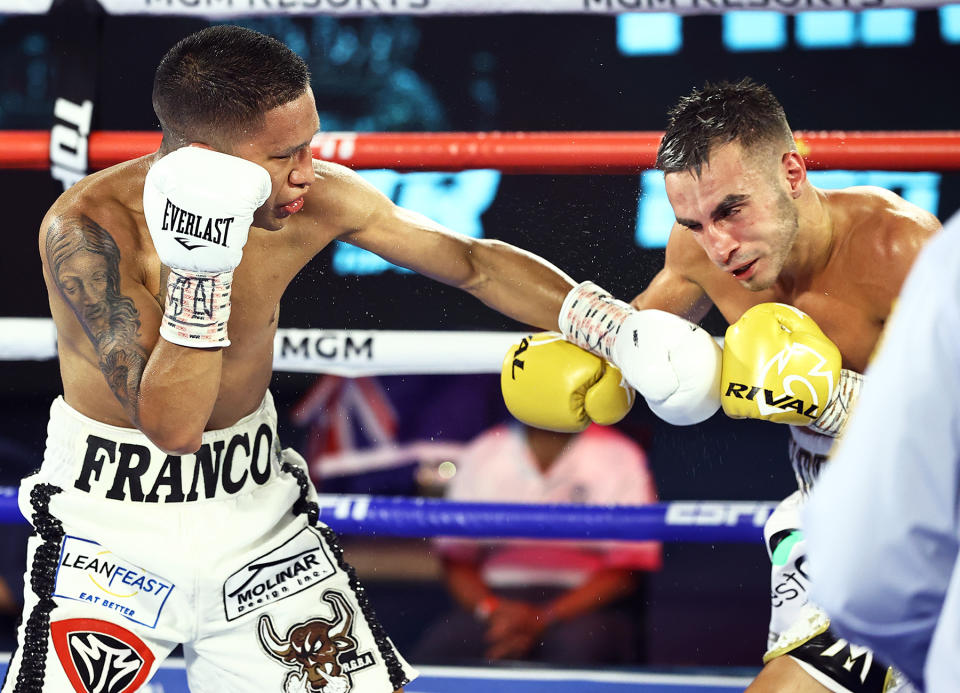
322 654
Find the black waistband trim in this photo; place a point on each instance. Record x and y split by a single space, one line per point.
398 679
43 574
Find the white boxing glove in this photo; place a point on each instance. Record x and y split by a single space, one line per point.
199 205
673 363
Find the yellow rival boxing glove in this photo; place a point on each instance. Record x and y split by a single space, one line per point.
550 383
778 365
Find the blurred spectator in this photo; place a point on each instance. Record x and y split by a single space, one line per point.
548 600
375 434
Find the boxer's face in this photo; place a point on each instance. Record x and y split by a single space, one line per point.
83 277
282 147
739 213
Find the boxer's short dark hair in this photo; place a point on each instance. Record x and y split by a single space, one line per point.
717 114
222 80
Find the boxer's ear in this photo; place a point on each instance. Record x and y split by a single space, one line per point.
795 171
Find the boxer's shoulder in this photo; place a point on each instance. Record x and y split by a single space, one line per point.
335 186
337 203
877 228
111 198
875 217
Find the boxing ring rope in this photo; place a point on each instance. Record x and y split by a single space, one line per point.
687 521
524 152
349 353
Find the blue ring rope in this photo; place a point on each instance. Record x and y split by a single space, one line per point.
687 521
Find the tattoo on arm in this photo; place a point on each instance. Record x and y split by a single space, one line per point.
85 263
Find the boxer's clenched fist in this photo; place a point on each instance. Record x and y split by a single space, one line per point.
778 365
672 362
550 383
199 205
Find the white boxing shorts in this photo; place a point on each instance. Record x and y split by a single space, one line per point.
136 551
798 628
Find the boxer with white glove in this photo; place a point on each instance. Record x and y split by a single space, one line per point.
199 205
550 383
672 362
779 366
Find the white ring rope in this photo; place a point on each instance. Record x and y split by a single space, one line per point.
350 353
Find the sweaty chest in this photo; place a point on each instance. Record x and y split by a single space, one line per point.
849 326
846 314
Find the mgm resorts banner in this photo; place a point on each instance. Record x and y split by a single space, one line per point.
233 8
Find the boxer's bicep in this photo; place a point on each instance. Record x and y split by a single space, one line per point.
487 268
672 292
673 289
87 269
365 217
414 241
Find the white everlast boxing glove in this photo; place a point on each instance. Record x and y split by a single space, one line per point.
199 206
673 363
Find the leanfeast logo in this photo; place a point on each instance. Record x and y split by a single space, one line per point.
213 229
89 573
294 566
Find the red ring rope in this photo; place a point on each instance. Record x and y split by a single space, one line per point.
525 152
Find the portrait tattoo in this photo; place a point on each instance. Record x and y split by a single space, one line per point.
85 263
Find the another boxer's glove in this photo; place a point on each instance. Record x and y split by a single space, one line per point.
672 362
199 206
779 366
550 383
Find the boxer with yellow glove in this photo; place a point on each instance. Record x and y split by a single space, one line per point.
779 366
550 383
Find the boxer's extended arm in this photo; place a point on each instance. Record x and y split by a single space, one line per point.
518 284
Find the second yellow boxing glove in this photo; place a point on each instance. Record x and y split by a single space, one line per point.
550 383
778 365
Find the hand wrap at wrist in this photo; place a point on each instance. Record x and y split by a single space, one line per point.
591 318
197 309
836 413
